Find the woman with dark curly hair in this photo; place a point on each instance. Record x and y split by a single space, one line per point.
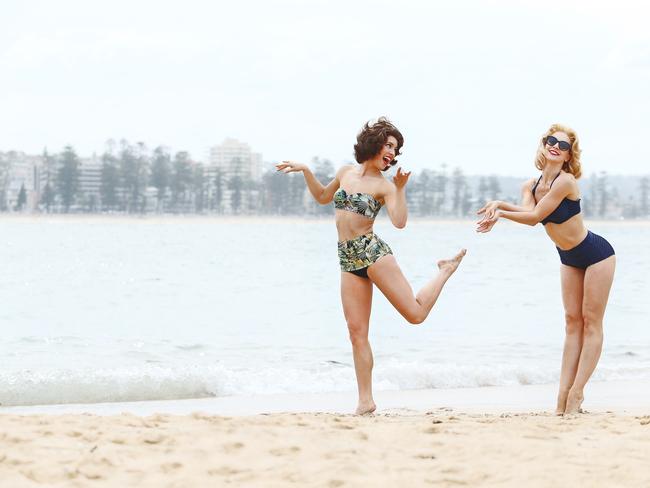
588 260
359 192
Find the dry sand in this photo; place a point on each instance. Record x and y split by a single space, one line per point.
438 448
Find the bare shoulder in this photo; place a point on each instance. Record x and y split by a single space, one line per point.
569 185
343 170
567 176
567 179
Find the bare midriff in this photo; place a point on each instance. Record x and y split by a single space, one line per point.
569 234
350 225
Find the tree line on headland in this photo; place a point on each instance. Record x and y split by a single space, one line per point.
130 178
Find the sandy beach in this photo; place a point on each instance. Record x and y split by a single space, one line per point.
437 448
502 436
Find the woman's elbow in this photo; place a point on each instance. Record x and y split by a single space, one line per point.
533 221
400 224
324 200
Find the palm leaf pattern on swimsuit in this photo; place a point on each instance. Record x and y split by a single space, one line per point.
362 251
361 203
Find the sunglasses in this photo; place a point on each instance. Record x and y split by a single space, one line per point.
552 141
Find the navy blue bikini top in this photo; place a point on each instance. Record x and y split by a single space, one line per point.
362 203
564 211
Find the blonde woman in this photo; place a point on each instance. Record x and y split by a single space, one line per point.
358 193
588 260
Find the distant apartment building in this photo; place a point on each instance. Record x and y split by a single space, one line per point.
235 157
90 182
237 170
19 170
34 173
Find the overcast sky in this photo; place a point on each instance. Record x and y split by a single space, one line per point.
469 83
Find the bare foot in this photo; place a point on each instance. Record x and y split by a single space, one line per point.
448 266
365 408
561 402
574 401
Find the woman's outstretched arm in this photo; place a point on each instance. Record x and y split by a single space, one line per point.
563 188
323 194
527 202
395 199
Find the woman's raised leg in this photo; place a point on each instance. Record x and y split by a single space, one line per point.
597 284
356 296
388 277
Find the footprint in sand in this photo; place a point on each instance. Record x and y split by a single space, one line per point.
425 456
91 473
41 475
232 446
283 451
159 418
224 471
169 467
153 438
16 461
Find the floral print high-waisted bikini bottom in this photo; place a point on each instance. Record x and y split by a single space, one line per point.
357 254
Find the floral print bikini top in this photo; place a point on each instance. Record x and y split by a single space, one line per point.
362 203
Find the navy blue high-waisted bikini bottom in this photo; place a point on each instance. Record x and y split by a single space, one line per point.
591 250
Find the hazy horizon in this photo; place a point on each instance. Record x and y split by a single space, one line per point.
471 84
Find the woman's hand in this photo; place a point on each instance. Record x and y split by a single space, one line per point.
489 209
290 167
400 179
486 224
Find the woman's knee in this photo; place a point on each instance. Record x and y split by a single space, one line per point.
358 333
415 317
574 323
593 323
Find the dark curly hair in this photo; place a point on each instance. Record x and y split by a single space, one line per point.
373 137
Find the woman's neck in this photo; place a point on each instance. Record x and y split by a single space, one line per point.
369 169
550 171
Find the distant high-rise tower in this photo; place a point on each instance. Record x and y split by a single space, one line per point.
233 173
235 157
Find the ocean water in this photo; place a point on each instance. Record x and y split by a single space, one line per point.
100 309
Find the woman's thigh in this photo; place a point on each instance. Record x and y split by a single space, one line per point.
390 280
572 291
356 297
597 284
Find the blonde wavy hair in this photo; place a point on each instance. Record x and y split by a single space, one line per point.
573 165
